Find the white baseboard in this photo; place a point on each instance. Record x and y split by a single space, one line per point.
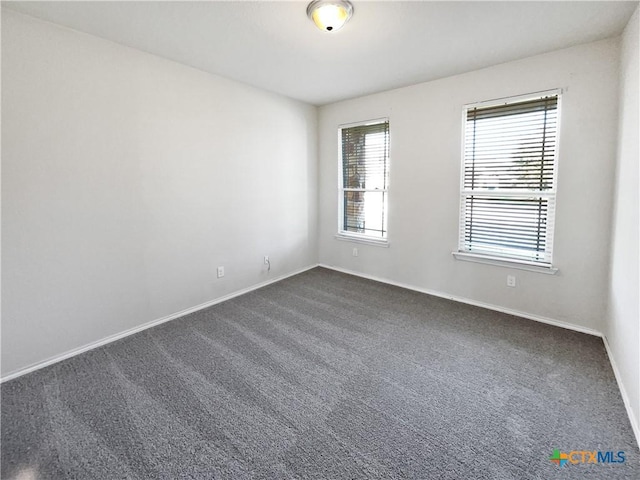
623 391
153 323
144 326
497 308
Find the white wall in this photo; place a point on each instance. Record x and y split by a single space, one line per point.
623 326
426 132
128 178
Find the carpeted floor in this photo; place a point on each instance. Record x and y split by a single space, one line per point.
323 376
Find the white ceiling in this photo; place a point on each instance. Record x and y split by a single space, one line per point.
385 45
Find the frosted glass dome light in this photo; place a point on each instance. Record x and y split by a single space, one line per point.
330 15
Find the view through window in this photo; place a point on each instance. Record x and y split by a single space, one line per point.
365 179
508 189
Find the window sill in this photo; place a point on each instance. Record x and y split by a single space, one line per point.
503 262
361 239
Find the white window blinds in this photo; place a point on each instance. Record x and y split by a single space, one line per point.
364 179
509 179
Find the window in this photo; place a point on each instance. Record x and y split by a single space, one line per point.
508 186
364 180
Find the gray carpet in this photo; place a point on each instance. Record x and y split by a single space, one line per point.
325 376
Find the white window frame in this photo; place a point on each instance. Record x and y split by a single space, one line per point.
354 236
499 260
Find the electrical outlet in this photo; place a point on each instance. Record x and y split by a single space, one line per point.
220 272
511 281
355 252
266 259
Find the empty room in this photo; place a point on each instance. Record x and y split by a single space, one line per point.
320 240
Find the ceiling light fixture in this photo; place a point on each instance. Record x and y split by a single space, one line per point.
330 15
